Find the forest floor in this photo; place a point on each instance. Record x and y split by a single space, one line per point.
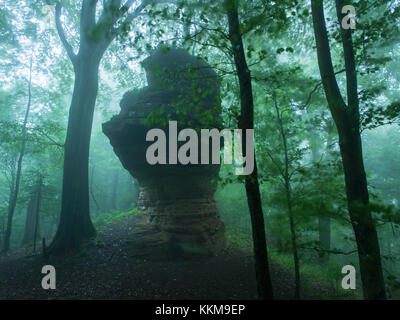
104 269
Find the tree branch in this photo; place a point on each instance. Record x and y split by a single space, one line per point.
330 251
45 135
112 12
138 11
88 15
61 34
315 89
331 87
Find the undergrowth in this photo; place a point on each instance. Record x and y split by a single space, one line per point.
107 219
327 275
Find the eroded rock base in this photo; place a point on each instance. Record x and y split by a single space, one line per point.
179 228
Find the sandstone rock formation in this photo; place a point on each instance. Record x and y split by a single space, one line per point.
177 200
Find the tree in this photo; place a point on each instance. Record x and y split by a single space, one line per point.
32 225
16 184
347 120
246 121
95 37
324 221
286 175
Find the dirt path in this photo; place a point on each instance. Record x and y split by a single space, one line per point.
104 270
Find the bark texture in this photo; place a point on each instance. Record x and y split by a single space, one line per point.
347 120
246 121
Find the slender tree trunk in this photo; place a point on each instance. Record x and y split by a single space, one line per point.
324 223
294 241
36 233
14 195
347 121
288 191
92 191
114 191
10 197
75 223
246 121
30 221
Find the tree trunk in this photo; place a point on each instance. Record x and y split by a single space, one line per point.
324 223
30 221
75 223
360 215
114 191
246 121
10 198
31 216
294 243
92 191
14 193
36 233
346 118
288 191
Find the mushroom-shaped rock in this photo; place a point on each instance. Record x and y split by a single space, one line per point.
177 200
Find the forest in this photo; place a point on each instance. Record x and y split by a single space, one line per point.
86 87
